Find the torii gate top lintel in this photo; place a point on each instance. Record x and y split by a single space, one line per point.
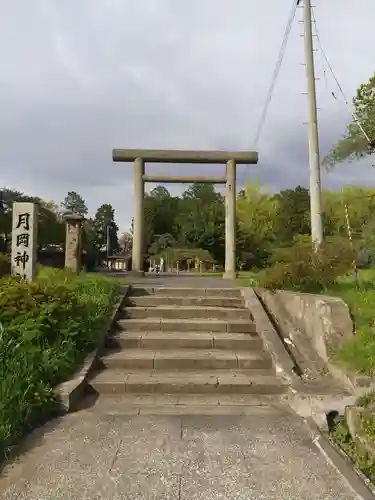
179 156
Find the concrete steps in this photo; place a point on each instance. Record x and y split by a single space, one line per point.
183 404
185 325
160 300
118 381
186 292
187 312
188 340
185 359
173 342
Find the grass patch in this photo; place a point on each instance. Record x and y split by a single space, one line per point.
46 329
340 435
358 354
247 278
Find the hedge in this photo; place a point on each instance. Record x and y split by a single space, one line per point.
46 329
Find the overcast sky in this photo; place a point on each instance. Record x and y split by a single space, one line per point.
79 77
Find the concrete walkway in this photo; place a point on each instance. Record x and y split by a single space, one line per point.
267 454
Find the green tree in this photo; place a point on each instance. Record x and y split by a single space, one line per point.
293 214
126 242
354 144
74 203
8 196
105 228
256 214
160 210
161 242
361 211
201 220
51 228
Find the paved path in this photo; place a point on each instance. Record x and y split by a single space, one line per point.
266 455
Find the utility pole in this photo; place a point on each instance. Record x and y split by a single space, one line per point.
314 157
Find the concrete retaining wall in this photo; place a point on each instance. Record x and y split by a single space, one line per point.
325 320
312 327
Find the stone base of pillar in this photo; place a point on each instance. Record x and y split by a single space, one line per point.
231 275
136 274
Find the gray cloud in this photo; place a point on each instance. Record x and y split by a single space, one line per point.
79 78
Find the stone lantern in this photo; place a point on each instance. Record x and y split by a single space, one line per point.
73 242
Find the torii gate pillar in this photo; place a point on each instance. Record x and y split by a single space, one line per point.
138 220
230 221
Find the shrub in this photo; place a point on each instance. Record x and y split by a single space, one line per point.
46 329
301 268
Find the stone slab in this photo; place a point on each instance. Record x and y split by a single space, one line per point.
237 341
173 340
128 403
116 381
171 383
184 325
185 290
188 340
156 300
129 359
184 359
187 313
237 382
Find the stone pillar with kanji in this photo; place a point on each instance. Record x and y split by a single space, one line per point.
73 242
24 240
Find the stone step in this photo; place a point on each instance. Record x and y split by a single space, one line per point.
184 359
184 325
157 300
185 292
117 381
185 404
183 312
187 340
188 410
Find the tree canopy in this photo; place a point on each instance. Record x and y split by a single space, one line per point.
105 228
51 228
354 144
192 226
74 203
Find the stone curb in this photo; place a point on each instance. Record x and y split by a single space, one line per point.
283 363
70 391
317 406
355 479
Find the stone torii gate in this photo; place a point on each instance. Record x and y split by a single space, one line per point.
141 156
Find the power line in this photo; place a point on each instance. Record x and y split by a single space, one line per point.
276 71
355 117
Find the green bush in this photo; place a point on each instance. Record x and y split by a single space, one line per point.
301 268
46 329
